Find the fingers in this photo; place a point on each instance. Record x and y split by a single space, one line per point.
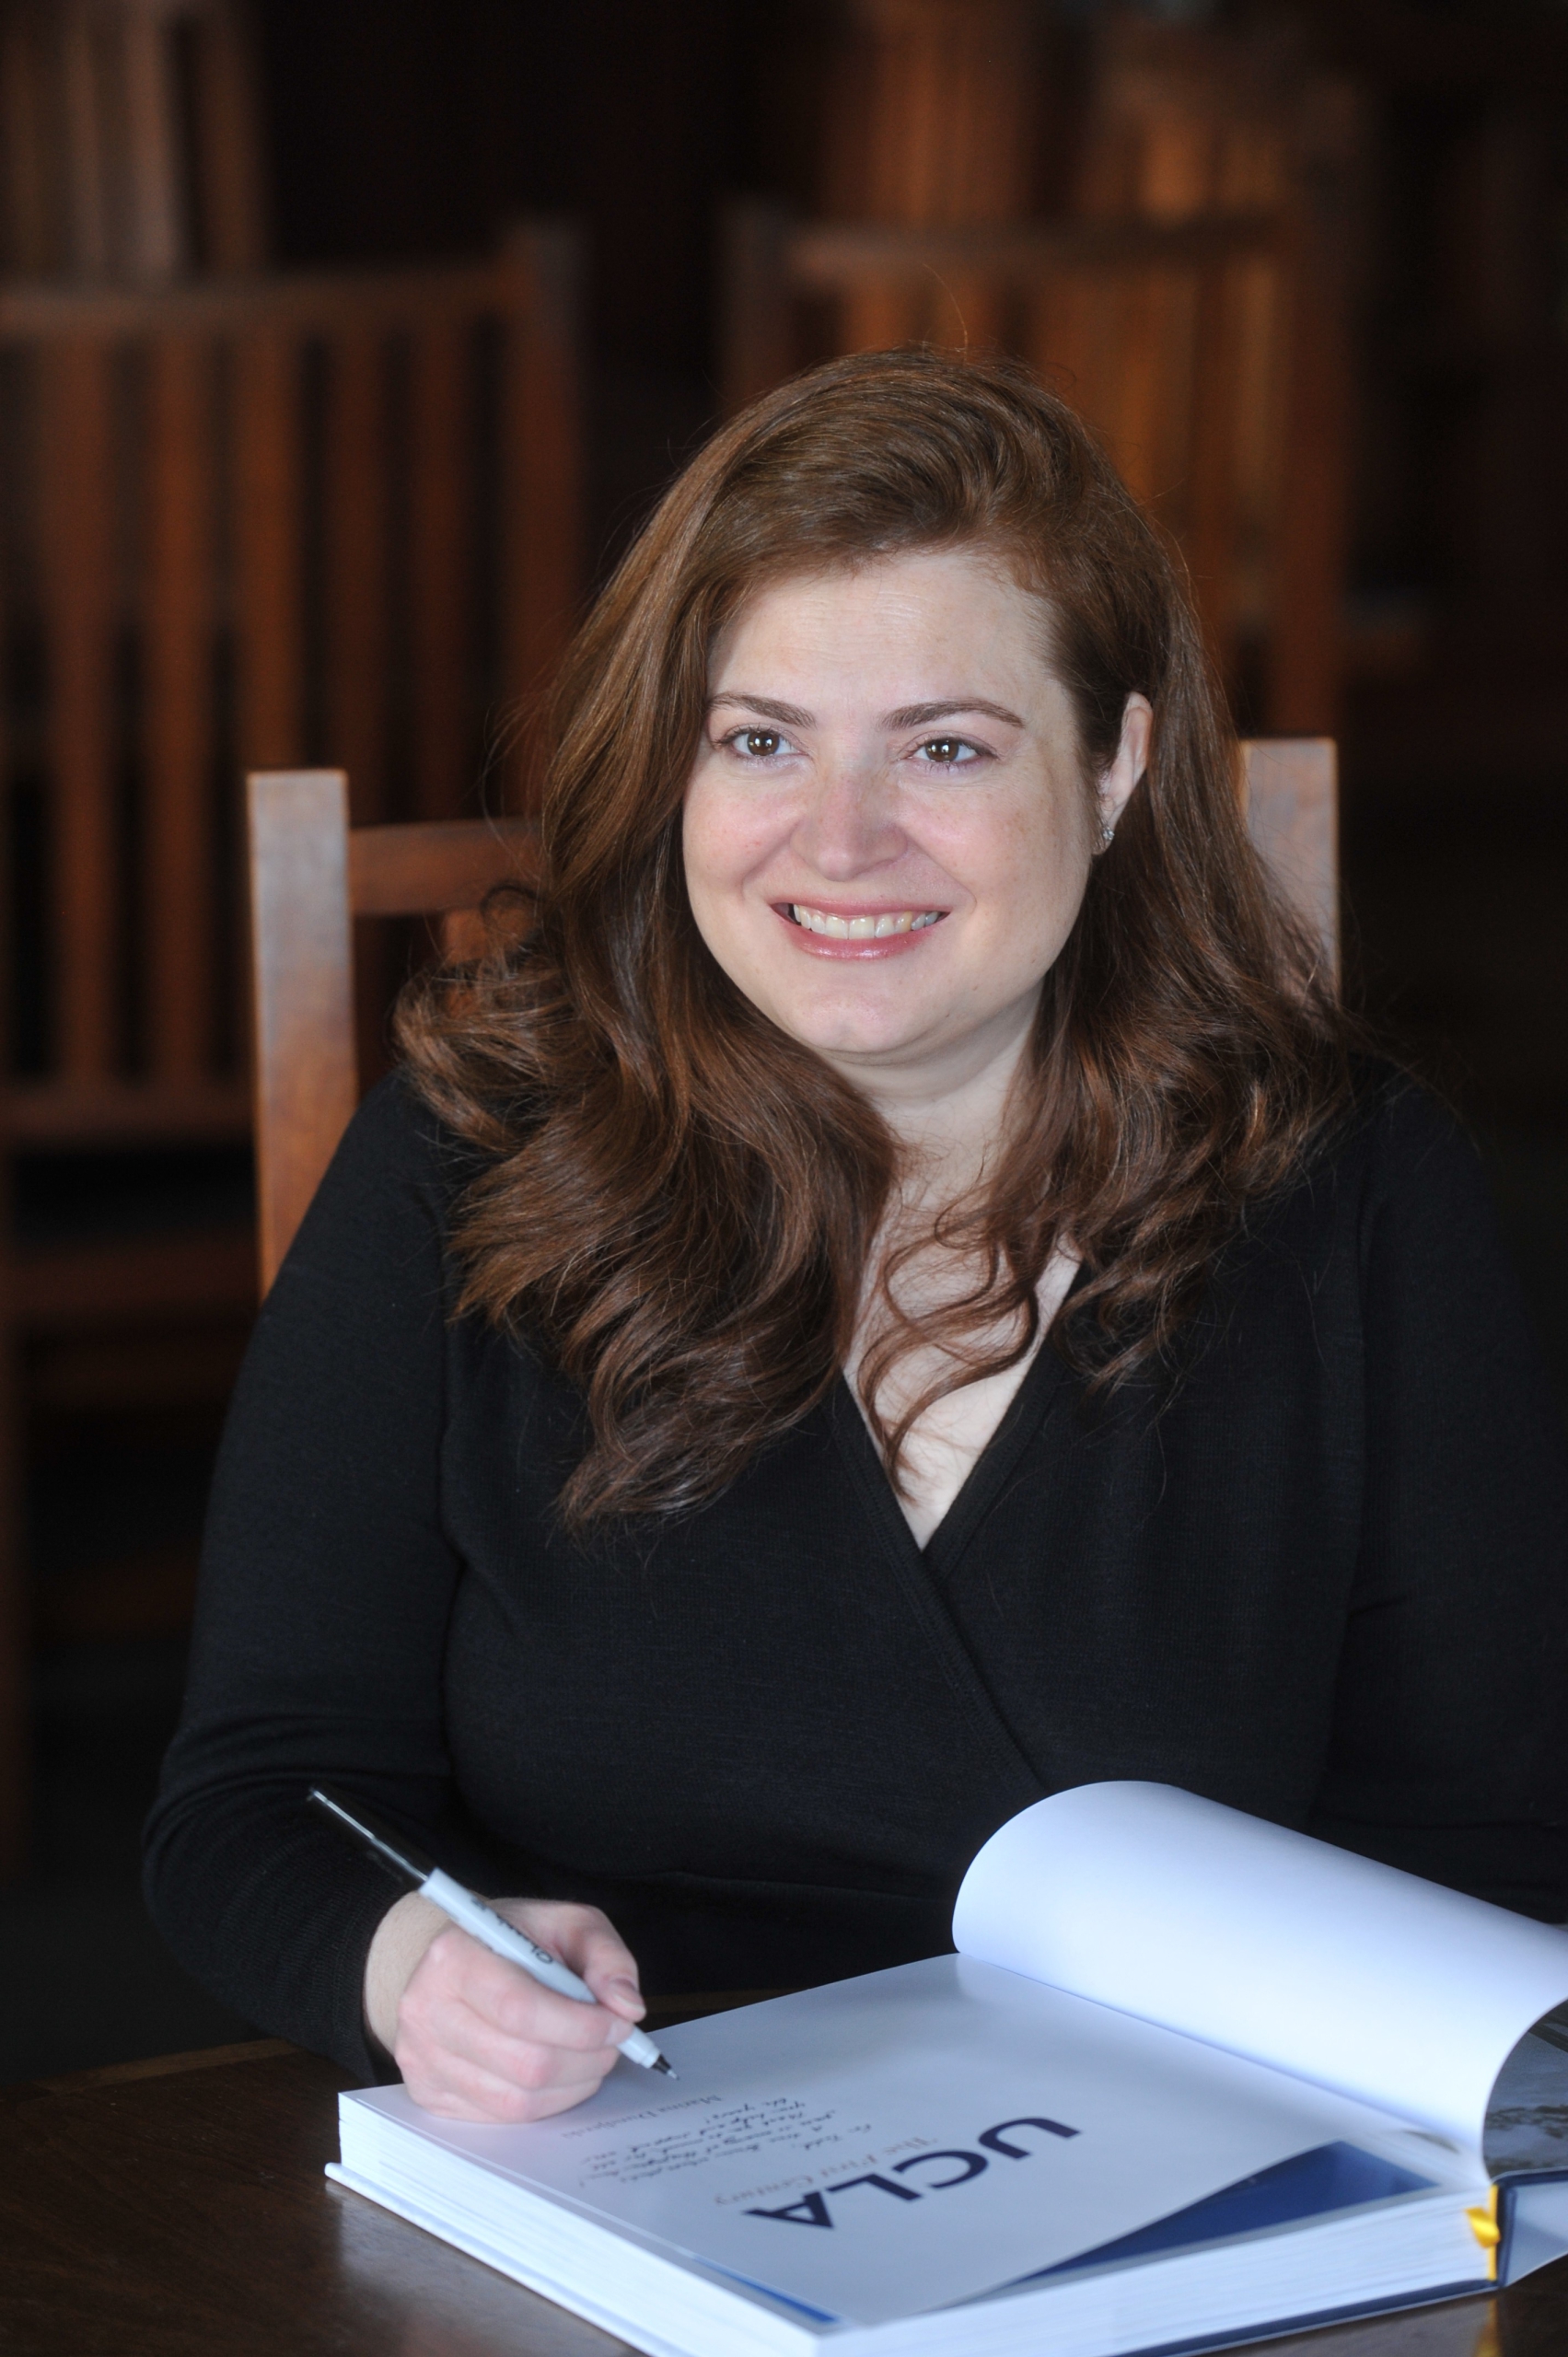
586 1940
485 2079
461 1990
477 2038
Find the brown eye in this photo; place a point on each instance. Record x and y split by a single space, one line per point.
945 753
760 744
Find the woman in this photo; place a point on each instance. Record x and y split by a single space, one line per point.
895 1298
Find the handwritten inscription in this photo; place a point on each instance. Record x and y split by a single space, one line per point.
731 2131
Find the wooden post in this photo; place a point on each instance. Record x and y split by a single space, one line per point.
441 583
1290 793
306 1083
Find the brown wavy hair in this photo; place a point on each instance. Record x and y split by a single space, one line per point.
676 1202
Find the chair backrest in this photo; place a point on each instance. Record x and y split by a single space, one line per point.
311 875
243 523
1194 350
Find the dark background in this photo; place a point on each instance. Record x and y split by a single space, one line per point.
407 128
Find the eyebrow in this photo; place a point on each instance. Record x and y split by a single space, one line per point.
909 715
790 714
917 716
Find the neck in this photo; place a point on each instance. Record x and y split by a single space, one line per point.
950 1111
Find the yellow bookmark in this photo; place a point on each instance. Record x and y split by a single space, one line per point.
1486 2230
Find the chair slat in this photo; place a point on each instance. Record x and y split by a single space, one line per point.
265 396
78 509
1305 650
177 624
358 564
439 567
228 132
303 994
542 490
89 240
1213 506
26 147
427 870
358 640
149 126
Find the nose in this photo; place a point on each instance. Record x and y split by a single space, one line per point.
850 823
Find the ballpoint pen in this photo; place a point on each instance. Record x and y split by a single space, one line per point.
471 1914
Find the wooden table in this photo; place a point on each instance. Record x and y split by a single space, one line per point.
178 2209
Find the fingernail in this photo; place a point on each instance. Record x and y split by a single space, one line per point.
628 1990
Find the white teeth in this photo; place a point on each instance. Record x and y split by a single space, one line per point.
862 928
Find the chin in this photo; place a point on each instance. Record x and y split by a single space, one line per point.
855 1034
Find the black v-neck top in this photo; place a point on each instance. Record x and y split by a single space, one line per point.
1319 1576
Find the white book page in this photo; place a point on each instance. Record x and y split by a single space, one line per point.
1267 1944
891 2144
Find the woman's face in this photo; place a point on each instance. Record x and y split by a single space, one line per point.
887 829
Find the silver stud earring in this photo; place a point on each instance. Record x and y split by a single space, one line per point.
1107 834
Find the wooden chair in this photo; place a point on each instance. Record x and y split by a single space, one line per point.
242 522
311 875
1187 347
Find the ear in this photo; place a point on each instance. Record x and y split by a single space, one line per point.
1128 764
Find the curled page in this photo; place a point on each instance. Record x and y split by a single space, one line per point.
1267 1944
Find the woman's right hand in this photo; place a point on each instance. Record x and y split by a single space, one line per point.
473 2035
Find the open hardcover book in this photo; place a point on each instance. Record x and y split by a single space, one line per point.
1189 2079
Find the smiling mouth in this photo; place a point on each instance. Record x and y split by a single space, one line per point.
865 928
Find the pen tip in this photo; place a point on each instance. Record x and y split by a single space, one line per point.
662 2065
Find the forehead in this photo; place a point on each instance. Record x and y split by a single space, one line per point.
960 606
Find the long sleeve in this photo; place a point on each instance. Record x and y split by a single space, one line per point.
325 1592
1450 1744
